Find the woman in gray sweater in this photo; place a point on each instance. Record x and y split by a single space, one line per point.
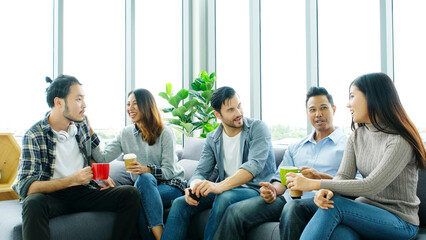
387 150
156 173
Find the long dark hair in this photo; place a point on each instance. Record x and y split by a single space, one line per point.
383 105
152 125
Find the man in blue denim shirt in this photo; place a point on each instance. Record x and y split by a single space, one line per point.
54 177
317 156
241 149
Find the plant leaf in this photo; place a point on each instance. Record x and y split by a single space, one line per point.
163 95
180 112
203 74
183 93
169 89
187 126
167 110
212 76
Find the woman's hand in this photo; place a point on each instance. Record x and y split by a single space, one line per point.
323 199
301 183
309 172
136 168
90 126
108 183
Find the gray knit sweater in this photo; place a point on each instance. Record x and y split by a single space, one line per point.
387 164
161 154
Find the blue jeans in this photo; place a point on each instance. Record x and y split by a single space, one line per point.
240 217
180 215
368 221
296 215
153 200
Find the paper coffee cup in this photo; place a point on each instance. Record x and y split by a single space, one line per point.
296 193
286 169
128 158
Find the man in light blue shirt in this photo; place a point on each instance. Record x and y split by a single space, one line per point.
317 156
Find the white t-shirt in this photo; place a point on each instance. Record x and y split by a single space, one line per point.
231 154
69 159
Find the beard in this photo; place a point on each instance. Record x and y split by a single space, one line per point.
68 116
230 123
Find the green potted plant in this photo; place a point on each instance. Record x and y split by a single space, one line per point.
196 113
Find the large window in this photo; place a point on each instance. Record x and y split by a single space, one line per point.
348 46
94 53
284 69
26 58
410 52
158 48
233 48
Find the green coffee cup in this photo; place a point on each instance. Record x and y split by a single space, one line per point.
286 169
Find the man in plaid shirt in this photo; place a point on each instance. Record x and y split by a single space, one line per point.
54 177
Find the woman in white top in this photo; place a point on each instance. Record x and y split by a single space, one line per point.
387 150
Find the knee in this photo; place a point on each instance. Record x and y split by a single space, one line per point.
290 209
129 193
222 201
179 202
233 213
179 207
34 203
146 179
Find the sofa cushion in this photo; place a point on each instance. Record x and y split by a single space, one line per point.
82 225
279 155
117 171
265 231
192 148
189 165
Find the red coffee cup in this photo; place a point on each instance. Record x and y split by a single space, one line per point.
100 171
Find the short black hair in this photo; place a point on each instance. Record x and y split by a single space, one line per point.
219 97
60 88
318 91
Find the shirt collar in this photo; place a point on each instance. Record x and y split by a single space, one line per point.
136 131
334 136
45 126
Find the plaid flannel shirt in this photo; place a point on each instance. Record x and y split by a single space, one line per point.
37 161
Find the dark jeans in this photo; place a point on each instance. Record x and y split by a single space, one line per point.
295 216
180 215
38 208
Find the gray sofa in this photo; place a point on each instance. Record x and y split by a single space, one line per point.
82 225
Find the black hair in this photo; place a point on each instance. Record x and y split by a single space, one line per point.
219 97
384 106
60 88
318 91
